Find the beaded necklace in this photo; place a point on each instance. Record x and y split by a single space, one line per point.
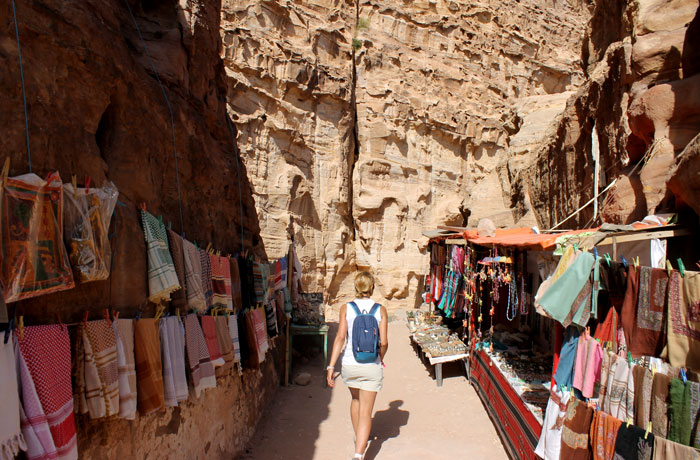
512 300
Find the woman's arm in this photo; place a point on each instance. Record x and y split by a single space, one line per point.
383 334
337 346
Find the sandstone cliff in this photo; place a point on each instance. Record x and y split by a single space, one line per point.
362 123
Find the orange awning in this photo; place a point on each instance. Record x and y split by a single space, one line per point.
520 237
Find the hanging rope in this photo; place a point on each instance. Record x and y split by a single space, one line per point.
24 92
170 110
238 173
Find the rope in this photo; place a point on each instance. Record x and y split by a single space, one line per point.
24 92
170 110
238 173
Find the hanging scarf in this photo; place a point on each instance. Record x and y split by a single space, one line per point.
679 412
201 368
193 277
642 395
684 320
46 353
271 318
564 375
11 438
575 432
607 330
694 413
604 432
162 278
643 310
568 291
233 332
149 370
251 337
631 443
261 332
100 374
221 282
225 345
258 279
235 285
588 373
665 449
659 404
209 330
207 284
172 345
124 333
549 445
177 252
619 392
604 375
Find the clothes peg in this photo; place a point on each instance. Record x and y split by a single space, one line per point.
636 262
629 358
607 258
88 180
177 313
159 312
10 326
684 376
115 316
669 267
629 420
572 391
5 172
595 253
138 315
105 314
21 327
624 261
646 433
681 267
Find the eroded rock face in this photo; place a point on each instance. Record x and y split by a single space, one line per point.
363 122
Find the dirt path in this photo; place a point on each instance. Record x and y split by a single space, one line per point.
413 418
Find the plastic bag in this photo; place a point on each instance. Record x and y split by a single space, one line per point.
34 260
87 214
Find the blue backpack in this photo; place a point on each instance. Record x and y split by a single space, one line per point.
365 335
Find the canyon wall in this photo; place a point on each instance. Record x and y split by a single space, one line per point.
364 123
95 109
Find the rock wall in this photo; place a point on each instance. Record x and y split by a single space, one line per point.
364 122
95 109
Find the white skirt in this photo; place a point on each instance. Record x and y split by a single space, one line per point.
369 377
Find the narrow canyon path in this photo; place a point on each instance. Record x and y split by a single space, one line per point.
414 419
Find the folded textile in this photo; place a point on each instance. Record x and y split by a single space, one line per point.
100 372
642 396
684 320
235 284
679 412
45 352
604 432
575 432
149 370
172 345
659 404
193 277
207 286
566 292
124 333
209 331
162 278
564 375
11 438
201 368
233 332
177 252
643 317
225 345
221 282
632 443
549 445
665 449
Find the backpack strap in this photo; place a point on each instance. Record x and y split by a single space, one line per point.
374 309
354 307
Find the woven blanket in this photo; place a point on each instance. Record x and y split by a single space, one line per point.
235 285
225 345
172 346
221 282
100 372
162 278
124 333
177 252
35 261
46 389
149 370
206 278
11 438
233 332
193 277
209 330
201 368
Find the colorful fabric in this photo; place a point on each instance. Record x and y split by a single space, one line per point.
278 282
694 413
679 412
564 375
172 346
101 371
684 320
149 370
233 332
200 366
177 252
259 285
549 445
621 395
209 330
642 396
604 435
254 358
221 282
235 285
124 333
607 402
225 345
46 352
665 449
575 432
261 332
193 277
271 318
35 261
643 319
659 404
559 300
632 444
11 438
604 375
207 286
162 278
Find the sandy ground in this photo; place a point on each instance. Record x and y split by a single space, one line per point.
414 419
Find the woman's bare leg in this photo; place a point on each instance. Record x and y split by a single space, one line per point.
365 420
355 408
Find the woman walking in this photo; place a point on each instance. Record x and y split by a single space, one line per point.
362 322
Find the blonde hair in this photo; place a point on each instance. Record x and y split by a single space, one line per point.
364 284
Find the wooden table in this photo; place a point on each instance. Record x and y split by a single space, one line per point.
438 361
303 329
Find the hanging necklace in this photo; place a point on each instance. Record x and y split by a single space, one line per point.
512 301
523 307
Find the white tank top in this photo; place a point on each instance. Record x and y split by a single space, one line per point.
365 305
